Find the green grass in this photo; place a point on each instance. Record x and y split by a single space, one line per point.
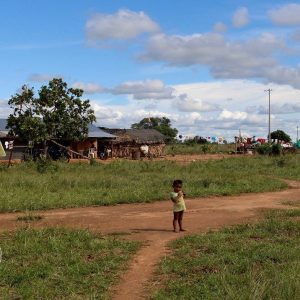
295 203
76 185
61 264
29 217
199 149
260 261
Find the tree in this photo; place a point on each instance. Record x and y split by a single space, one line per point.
57 113
163 125
280 135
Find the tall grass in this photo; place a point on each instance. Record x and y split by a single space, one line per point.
259 261
61 264
24 188
174 149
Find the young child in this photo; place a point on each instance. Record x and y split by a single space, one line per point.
178 204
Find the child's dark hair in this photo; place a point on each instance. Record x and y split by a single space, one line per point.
177 182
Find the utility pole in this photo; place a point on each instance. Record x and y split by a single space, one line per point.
297 134
269 130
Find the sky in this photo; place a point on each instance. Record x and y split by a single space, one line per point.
203 64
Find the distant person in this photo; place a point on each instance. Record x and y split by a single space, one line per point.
177 197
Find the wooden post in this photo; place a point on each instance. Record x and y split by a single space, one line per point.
10 157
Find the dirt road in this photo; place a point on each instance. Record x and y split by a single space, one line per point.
152 223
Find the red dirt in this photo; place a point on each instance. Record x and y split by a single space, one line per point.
152 223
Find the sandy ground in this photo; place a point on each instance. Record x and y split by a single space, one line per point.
152 223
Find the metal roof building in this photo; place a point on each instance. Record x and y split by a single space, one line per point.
94 132
3 130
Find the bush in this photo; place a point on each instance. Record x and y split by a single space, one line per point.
205 148
44 164
276 149
265 149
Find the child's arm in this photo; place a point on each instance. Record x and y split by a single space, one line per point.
176 199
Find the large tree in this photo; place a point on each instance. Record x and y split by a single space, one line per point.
280 135
162 125
58 112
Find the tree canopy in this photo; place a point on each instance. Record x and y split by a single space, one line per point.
280 135
58 112
163 125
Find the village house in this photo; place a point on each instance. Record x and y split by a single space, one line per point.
5 139
90 147
93 146
136 143
100 143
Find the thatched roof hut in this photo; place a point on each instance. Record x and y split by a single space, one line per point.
129 142
138 136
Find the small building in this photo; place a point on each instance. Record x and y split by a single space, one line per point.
19 146
136 142
93 146
88 147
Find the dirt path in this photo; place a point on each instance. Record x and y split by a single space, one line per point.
151 223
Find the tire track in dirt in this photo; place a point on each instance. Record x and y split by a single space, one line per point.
152 224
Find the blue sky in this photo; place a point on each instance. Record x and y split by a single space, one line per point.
204 64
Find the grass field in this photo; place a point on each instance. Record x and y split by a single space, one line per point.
259 261
199 148
24 188
61 264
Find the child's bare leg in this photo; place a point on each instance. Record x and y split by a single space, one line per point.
180 221
175 220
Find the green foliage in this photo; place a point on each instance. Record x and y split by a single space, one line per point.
163 125
258 261
264 149
191 147
44 164
61 264
268 149
195 140
58 112
276 149
205 148
28 217
280 135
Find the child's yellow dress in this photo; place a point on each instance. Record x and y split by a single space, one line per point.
179 204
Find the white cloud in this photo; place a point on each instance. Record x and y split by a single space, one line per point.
5 110
252 58
240 17
147 89
37 77
286 108
220 27
211 49
123 25
88 88
297 35
187 104
106 114
286 15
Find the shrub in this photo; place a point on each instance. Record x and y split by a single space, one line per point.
276 149
265 149
44 164
205 148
